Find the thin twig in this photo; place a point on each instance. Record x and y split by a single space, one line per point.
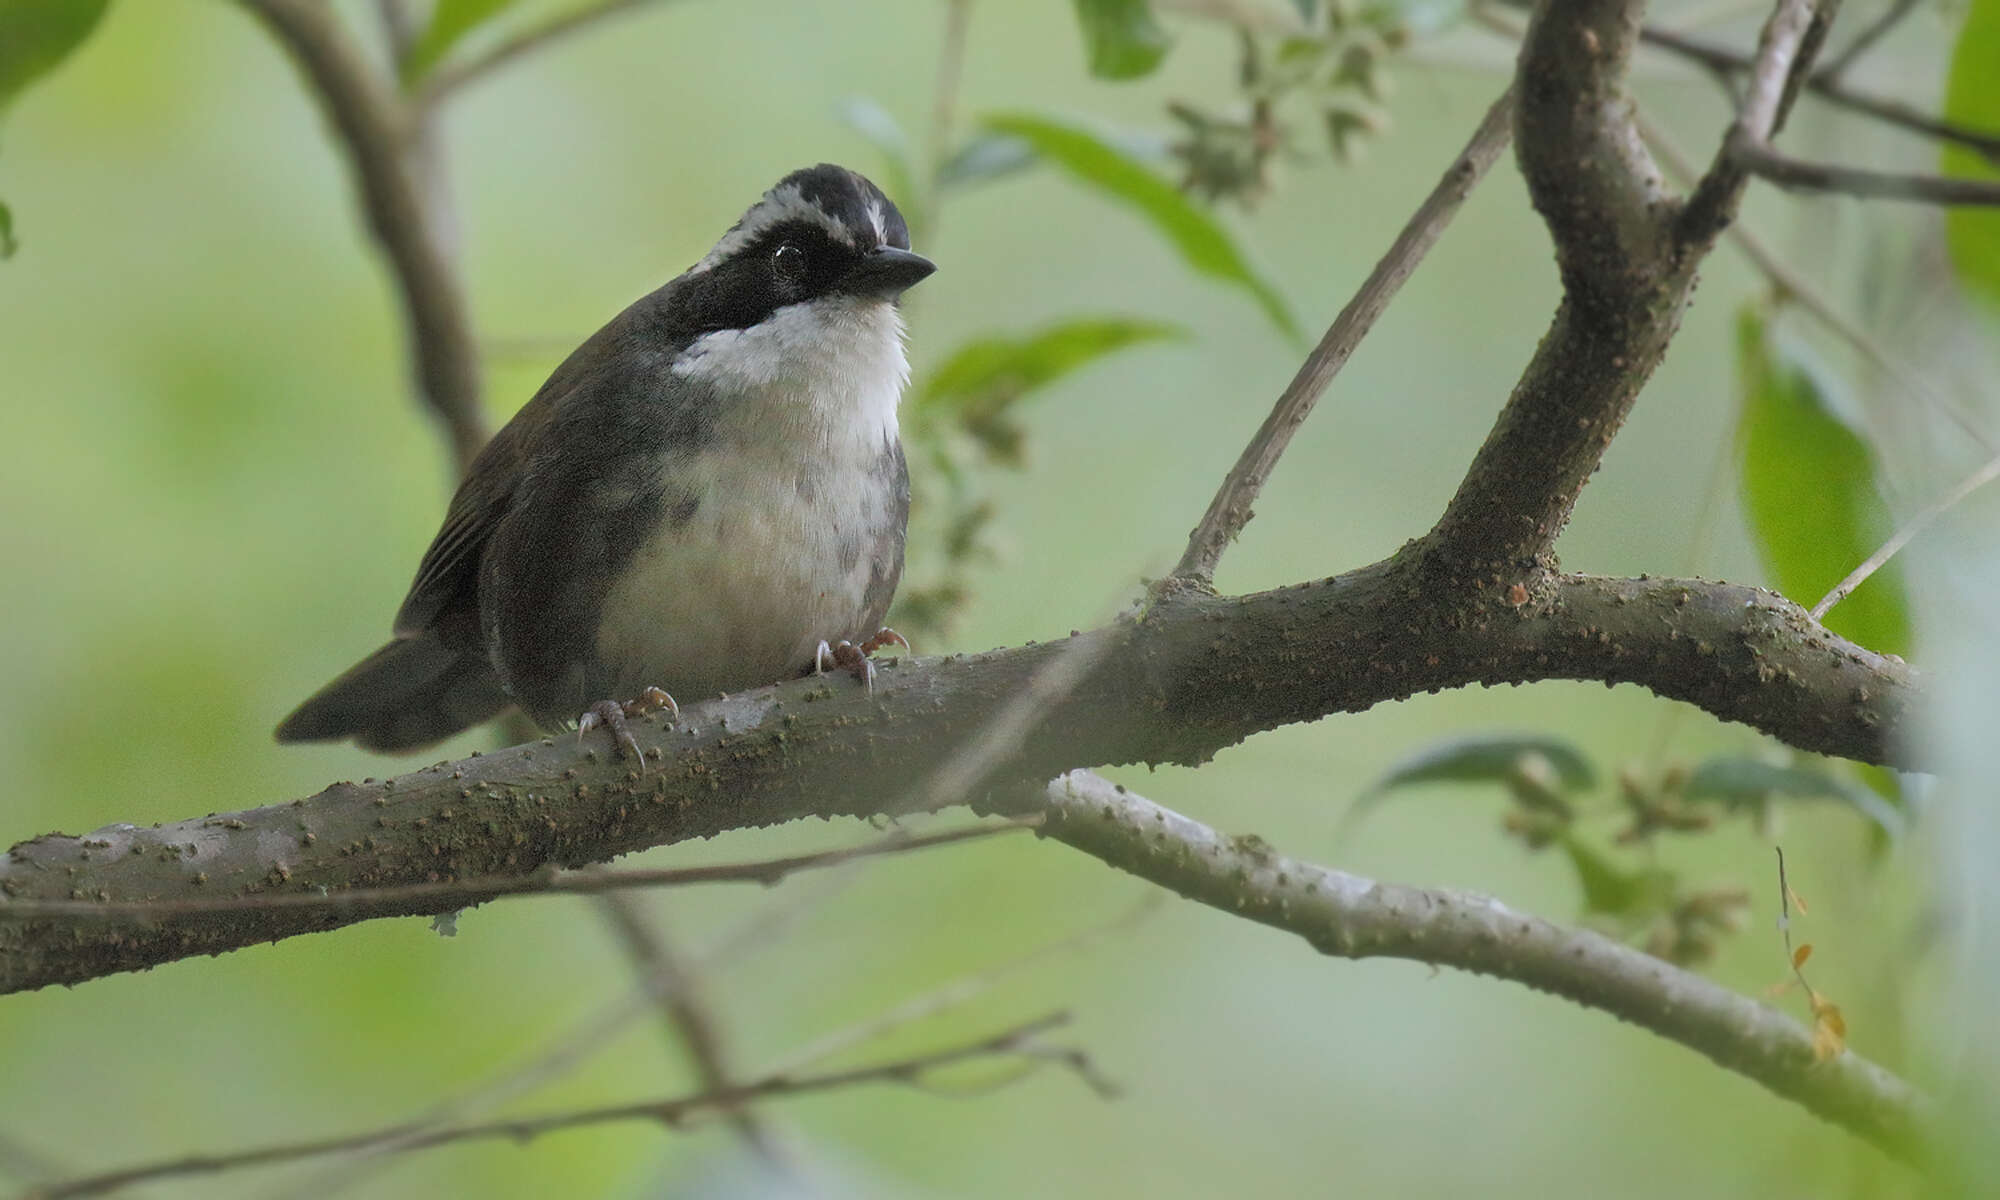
1726 61
1795 288
375 131
589 882
1785 50
449 77
1909 529
1783 53
1864 41
944 101
1758 158
1017 1041
955 992
1230 510
1352 917
555 1059
690 1020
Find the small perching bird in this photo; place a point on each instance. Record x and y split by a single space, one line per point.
704 496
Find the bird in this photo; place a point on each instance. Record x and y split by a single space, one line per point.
708 495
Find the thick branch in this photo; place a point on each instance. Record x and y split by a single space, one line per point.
1197 674
1624 285
1352 917
374 131
1628 257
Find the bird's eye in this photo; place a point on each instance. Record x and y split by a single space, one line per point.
790 264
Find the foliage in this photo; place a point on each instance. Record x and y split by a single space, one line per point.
1972 99
35 37
1809 490
1549 778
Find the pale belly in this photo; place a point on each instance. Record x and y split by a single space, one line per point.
742 591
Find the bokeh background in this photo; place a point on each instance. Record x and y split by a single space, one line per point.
216 484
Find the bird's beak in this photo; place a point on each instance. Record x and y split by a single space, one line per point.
885 272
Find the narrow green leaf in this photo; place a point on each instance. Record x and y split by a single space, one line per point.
985 156
1744 782
450 21
1972 97
985 368
1612 892
872 121
1201 240
1488 758
980 382
1809 492
1121 40
1536 770
7 243
36 35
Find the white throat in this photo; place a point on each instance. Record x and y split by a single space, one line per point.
828 371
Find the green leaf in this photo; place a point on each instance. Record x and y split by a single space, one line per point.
1738 783
985 156
1610 891
1536 770
981 380
1972 97
1201 240
1488 758
1120 37
36 35
872 121
7 243
1308 10
985 367
450 21
1809 493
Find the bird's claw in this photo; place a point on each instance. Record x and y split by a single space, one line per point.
886 636
614 716
845 656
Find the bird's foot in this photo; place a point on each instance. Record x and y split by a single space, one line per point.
852 658
886 636
614 715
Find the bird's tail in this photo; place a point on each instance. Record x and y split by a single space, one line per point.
410 693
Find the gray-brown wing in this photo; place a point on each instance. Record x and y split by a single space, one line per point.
888 555
448 578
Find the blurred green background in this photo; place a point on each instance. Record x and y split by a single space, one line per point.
217 485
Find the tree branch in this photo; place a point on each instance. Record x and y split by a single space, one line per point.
1625 282
1793 287
1230 510
1628 254
1864 41
449 77
690 1020
376 134
1348 916
1196 674
447 896
1021 1041
1759 159
1827 86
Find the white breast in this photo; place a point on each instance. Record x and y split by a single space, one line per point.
793 505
